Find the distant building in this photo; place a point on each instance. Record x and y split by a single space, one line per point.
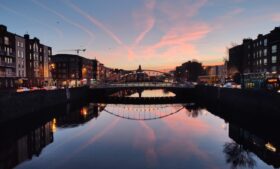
258 59
214 75
71 70
99 71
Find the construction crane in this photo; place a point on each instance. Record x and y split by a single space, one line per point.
76 50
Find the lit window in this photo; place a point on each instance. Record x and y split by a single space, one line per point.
274 49
274 59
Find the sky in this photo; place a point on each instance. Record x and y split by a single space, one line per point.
158 34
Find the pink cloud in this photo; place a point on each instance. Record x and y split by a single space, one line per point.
276 17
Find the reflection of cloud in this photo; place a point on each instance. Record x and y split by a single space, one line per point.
92 140
147 144
185 130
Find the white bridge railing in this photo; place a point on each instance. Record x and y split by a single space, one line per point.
143 84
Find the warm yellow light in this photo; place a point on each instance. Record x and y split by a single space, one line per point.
84 111
53 125
270 147
52 66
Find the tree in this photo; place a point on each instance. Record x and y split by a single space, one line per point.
189 71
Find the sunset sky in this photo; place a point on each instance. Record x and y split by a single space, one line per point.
157 34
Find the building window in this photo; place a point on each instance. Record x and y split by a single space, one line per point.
265 52
260 43
6 40
274 59
273 68
274 49
260 53
265 42
265 61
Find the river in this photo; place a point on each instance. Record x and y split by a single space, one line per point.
163 136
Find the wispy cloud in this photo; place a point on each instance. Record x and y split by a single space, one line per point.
96 22
64 18
57 30
144 19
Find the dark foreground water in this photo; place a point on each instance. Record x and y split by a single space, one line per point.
165 136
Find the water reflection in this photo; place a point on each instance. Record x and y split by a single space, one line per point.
239 153
80 116
144 112
13 152
237 156
98 135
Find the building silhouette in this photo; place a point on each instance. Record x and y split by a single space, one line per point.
258 59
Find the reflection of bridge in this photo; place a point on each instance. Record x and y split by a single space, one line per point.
140 100
145 112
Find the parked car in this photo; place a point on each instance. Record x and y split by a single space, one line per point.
34 88
23 89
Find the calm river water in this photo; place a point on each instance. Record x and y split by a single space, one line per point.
163 136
